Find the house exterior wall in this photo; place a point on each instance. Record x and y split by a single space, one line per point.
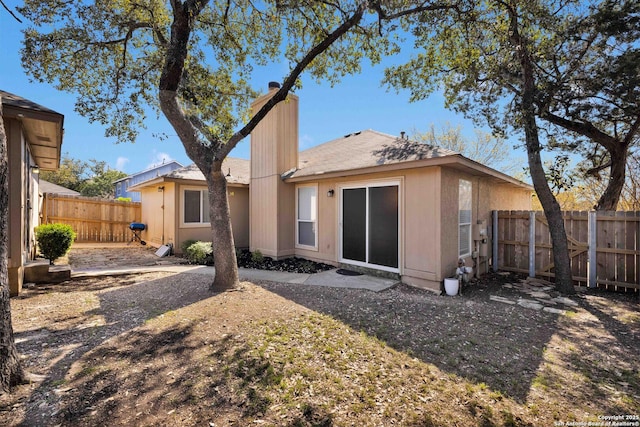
428 210
239 207
158 213
24 214
170 229
487 195
274 150
419 200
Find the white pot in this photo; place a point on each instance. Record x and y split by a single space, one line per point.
451 286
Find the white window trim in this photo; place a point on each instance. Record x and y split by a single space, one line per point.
366 185
460 224
297 220
184 224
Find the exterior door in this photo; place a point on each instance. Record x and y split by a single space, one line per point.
369 227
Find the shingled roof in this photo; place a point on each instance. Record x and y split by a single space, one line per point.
236 170
362 150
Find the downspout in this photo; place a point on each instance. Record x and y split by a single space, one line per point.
163 214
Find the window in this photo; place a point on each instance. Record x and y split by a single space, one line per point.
464 218
307 207
195 207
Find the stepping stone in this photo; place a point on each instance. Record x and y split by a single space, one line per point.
508 286
501 299
566 301
554 310
540 295
530 304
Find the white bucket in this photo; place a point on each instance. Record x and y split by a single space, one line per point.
451 286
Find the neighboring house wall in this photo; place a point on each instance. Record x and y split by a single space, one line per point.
121 186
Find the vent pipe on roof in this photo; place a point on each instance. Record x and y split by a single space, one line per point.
402 134
274 85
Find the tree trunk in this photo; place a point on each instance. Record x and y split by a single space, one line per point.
11 372
224 251
617 175
551 207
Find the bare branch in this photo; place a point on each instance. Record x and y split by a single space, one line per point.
291 79
10 11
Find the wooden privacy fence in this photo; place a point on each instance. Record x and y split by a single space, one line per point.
93 219
604 247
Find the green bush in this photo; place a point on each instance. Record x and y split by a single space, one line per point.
185 245
257 256
54 240
199 253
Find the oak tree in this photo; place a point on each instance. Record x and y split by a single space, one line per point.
588 89
484 58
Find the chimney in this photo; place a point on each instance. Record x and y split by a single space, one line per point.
274 150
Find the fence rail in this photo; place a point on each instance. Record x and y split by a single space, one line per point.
93 219
604 247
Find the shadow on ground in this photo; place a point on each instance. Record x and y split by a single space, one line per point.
125 303
480 340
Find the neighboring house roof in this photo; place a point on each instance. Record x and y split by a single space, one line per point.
359 152
43 128
163 165
51 188
236 170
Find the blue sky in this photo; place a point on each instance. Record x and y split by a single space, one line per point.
359 102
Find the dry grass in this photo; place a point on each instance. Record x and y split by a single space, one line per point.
157 349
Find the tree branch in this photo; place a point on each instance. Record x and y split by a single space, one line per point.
291 79
583 128
10 11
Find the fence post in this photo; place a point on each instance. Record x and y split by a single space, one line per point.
494 241
532 244
592 227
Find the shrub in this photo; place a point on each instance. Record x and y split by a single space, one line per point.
257 256
185 245
200 253
54 240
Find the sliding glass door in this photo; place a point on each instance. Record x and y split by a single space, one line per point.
369 226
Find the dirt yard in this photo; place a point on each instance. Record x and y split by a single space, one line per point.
160 349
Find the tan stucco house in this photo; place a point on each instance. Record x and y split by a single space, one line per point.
365 200
34 138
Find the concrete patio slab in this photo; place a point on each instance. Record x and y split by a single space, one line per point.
332 279
327 278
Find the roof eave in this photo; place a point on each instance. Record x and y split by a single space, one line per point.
182 181
22 113
451 160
